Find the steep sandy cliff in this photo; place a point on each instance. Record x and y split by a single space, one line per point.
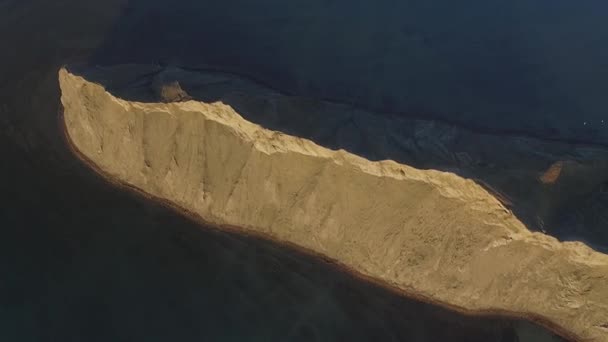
431 234
554 187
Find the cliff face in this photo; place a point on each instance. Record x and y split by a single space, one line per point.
554 187
429 233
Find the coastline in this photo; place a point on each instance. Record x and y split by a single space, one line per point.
409 115
200 221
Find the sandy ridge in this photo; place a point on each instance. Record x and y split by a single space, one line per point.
478 257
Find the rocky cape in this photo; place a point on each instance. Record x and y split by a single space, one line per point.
431 234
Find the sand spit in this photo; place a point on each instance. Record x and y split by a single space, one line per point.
431 234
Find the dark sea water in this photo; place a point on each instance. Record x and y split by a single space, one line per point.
536 68
83 261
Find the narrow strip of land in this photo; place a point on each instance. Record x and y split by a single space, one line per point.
430 234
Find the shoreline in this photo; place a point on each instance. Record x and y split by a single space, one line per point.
393 114
200 221
478 129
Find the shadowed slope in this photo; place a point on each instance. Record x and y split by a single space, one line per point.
538 68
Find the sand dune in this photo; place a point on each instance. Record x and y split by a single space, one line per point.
429 233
